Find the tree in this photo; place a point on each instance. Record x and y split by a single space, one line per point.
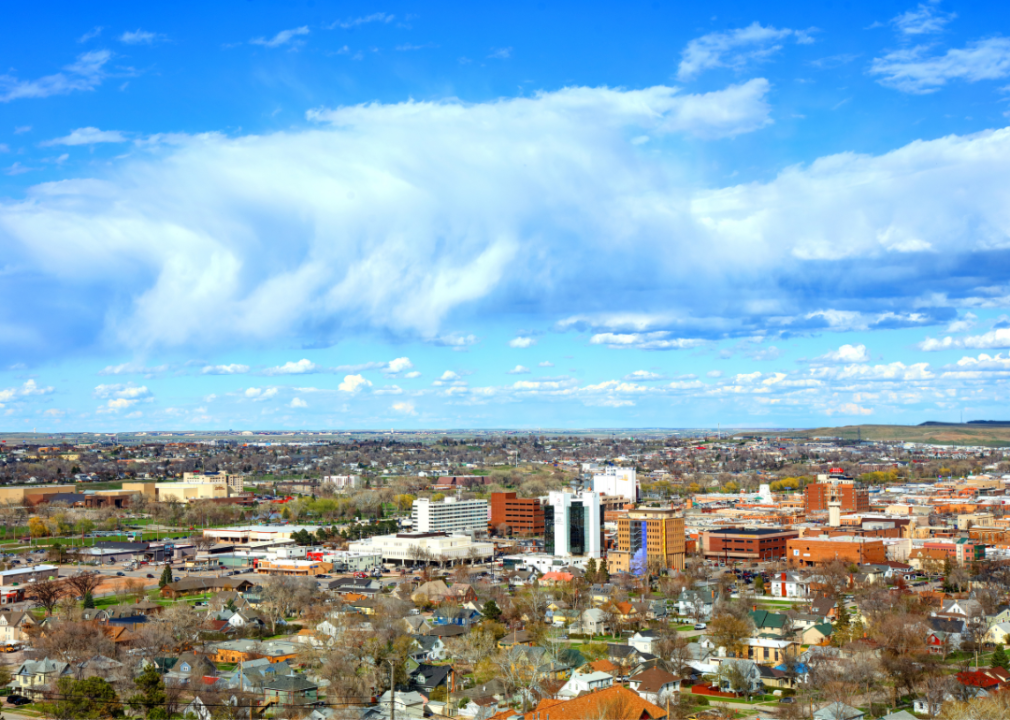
166 577
491 611
759 585
999 658
83 584
150 698
47 594
89 601
590 572
603 573
729 631
92 697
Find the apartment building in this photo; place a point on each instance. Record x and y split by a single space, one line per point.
452 515
647 537
521 516
231 480
748 544
620 481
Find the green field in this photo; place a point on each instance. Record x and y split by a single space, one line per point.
954 434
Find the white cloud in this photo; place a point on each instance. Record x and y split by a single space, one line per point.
965 323
924 19
231 369
298 403
413 374
140 37
123 392
846 354
449 375
643 375
714 373
88 136
404 408
282 38
644 341
983 363
90 35
86 73
915 70
301 367
379 17
53 412
522 342
29 389
994 339
132 368
353 383
734 49
255 393
399 365
545 364
849 409
519 370
389 390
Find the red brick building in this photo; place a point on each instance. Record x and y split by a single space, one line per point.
523 516
750 544
807 551
852 497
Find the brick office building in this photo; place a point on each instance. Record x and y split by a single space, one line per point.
809 551
750 544
853 497
648 538
523 516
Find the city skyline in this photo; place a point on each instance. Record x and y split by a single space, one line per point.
347 216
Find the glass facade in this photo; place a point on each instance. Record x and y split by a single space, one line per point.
577 522
549 530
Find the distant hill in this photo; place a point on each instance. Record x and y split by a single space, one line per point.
970 422
991 433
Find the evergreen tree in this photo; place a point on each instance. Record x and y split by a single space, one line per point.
89 601
999 658
591 571
603 574
166 577
150 697
491 611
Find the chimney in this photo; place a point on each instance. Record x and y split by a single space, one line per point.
755 607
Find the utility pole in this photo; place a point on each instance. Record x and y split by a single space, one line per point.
392 690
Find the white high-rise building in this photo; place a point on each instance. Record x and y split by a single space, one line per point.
619 481
572 524
449 516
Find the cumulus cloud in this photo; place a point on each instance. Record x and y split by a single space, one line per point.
255 393
28 389
545 364
284 37
845 354
353 384
88 136
231 369
301 367
522 342
132 368
964 324
123 392
413 374
298 403
969 366
404 408
379 17
399 365
997 338
918 70
85 73
519 370
735 49
849 409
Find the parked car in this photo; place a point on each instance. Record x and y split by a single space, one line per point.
150 576
17 700
120 574
700 626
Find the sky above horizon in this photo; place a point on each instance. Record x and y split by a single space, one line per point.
339 215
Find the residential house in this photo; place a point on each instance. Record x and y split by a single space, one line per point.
790 585
35 676
433 591
614 703
825 606
769 623
819 634
697 604
404 704
428 647
838 711
580 683
771 651
462 592
290 690
655 684
516 637
251 676
426 678
14 626
953 630
643 641
592 622
749 670
1002 615
190 667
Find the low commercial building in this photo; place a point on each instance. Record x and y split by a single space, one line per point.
452 515
230 480
15 494
20 576
746 544
410 548
250 534
305 568
812 551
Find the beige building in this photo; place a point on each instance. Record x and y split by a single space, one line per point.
16 493
183 492
215 478
660 531
293 567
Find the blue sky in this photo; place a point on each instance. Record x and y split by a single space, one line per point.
396 215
